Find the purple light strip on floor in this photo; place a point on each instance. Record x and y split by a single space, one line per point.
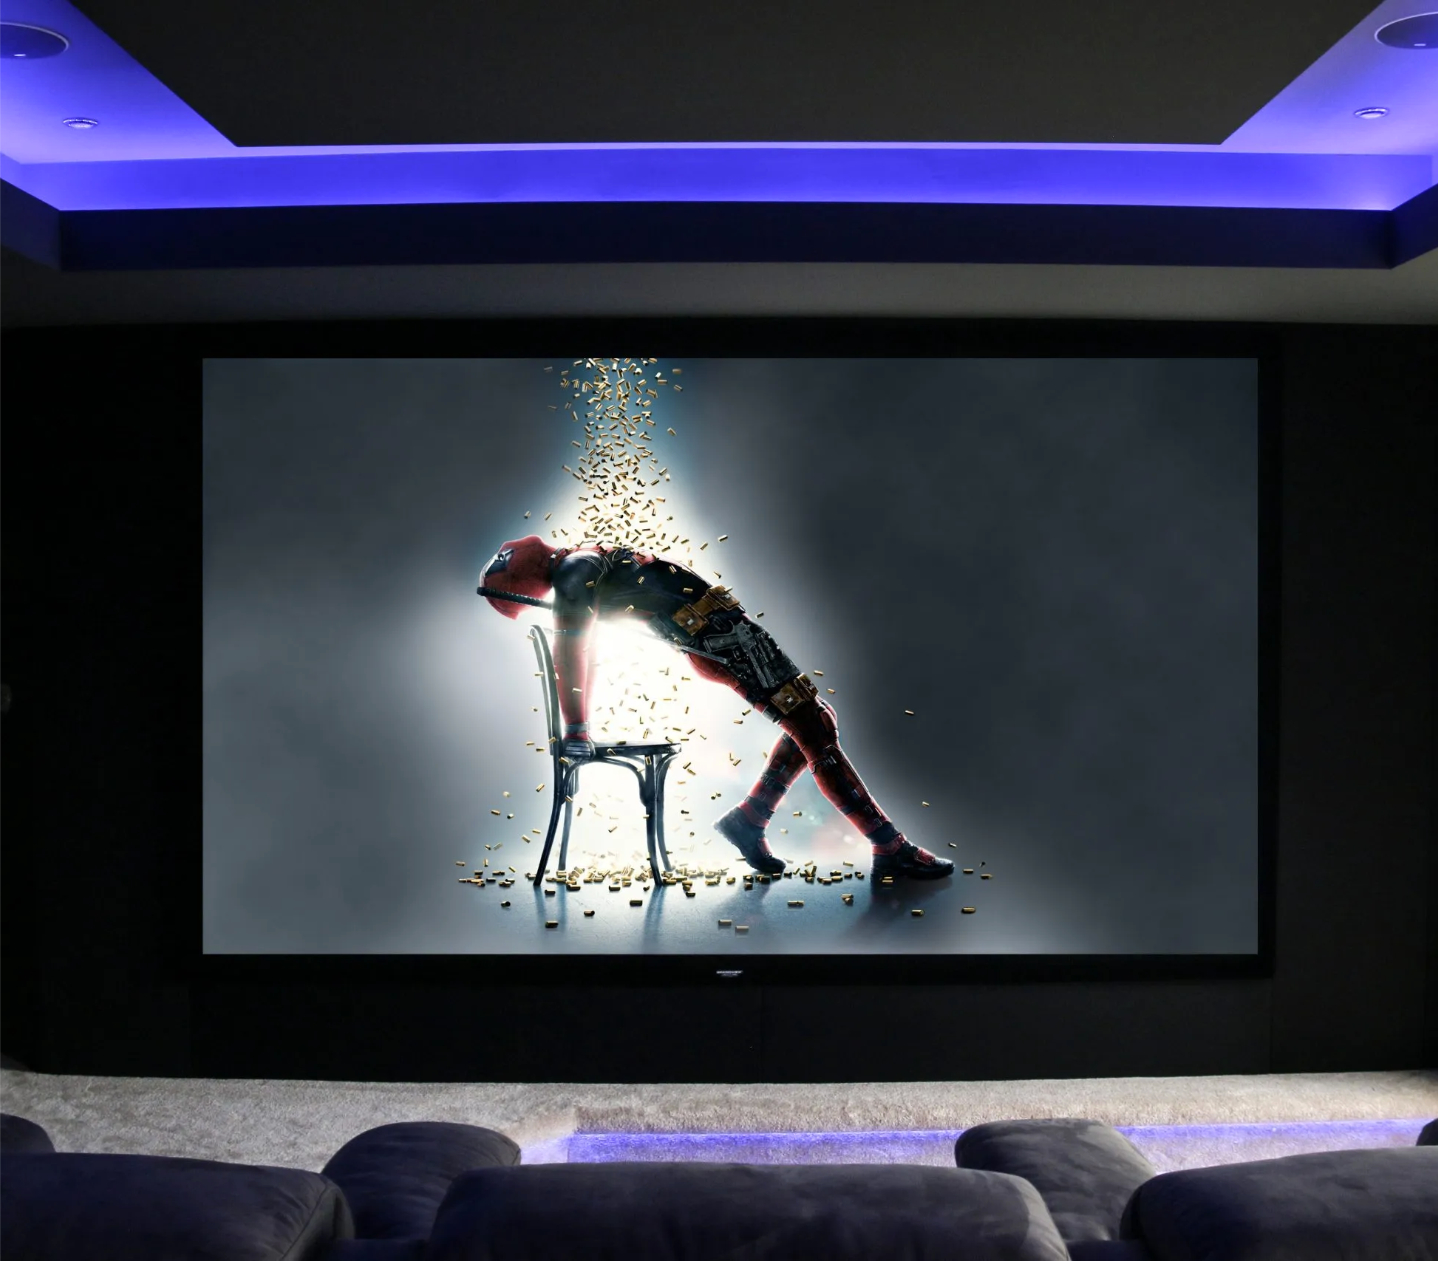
1167 1147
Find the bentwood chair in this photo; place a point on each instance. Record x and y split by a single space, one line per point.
649 762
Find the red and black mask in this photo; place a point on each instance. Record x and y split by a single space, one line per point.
520 567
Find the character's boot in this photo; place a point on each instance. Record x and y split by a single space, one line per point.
895 856
748 838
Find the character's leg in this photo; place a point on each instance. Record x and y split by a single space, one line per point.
786 761
573 671
744 827
815 730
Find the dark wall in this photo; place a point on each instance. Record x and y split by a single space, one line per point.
101 813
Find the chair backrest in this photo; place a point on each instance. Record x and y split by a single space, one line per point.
551 688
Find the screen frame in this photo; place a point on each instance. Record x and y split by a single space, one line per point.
778 337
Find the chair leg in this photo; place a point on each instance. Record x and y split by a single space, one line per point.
549 835
661 774
629 765
571 790
646 796
650 821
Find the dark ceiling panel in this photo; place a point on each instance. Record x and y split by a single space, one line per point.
318 72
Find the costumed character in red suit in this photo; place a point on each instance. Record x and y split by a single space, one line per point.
722 643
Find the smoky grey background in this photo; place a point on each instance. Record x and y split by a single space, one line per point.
1053 562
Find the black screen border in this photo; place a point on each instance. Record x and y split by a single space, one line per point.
733 337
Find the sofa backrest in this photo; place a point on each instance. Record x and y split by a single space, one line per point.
67 1206
694 1211
1372 1205
19 1135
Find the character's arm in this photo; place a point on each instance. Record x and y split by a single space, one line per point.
575 603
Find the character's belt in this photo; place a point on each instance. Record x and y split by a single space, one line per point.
694 617
793 694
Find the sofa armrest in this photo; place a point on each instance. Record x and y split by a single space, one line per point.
1085 1171
395 1176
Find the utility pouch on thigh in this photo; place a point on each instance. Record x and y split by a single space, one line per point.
694 617
793 694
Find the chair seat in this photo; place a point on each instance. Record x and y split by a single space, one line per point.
622 749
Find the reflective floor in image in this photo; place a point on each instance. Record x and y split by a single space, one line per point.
854 914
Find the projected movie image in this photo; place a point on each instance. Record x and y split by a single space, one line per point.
623 656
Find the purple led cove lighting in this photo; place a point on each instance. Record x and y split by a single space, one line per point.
954 176
1166 1146
1304 150
96 78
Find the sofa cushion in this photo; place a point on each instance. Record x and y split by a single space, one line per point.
70 1206
388 1250
1110 1250
695 1211
394 1176
1428 1135
19 1135
1374 1205
1085 1171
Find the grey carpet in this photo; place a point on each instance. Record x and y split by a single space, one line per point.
300 1124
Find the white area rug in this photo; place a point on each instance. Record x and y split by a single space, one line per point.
301 1124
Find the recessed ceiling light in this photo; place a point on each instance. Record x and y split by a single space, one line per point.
1371 112
1418 31
82 124
20 39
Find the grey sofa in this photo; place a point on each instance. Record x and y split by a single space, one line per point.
1053 1190
1379 1205
376 1198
